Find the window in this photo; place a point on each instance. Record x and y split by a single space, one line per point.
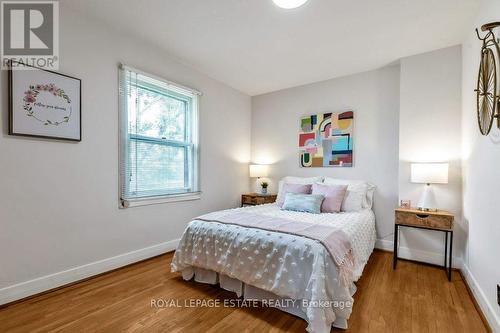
159 139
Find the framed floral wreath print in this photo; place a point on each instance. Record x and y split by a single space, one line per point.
44 104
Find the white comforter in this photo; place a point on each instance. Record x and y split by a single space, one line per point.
286 265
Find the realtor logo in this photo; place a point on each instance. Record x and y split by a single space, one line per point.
30 34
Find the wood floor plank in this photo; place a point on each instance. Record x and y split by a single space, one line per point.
412 298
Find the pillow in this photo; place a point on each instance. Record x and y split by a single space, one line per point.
295 180
334 195
292 188
359 194
309 203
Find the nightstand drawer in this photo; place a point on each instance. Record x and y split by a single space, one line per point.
260 200
425 219
254 199
248 200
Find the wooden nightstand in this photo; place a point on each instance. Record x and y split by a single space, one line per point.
439 221
253 199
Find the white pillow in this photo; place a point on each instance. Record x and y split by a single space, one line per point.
296 180
359 193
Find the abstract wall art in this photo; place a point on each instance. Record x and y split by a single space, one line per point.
326 140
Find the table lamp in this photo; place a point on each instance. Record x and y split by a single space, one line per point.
429 173
258 171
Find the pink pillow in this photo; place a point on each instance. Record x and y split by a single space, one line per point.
292 188
334 195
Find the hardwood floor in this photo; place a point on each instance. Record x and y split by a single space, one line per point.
414 298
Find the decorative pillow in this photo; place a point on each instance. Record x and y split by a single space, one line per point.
334 196
359 194
292 188
309 203
295 180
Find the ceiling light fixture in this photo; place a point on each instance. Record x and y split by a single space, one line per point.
289 4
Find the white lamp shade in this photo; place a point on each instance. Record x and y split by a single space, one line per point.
289 4
258 170
429 173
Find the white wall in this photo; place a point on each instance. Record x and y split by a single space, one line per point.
404 113
430 131
374 97
59 201
481 188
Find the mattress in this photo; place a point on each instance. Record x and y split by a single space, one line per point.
284 265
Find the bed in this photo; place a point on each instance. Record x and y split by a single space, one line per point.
295 274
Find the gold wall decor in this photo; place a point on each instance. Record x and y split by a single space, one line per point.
487 93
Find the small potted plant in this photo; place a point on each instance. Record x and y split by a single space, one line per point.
264 185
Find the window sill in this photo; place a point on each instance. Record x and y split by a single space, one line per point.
159 200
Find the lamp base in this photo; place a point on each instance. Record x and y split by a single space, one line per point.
427 202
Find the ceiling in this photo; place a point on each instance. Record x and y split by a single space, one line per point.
256 47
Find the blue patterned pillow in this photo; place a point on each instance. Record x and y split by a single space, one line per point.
309 203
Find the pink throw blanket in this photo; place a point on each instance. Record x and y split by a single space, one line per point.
334 240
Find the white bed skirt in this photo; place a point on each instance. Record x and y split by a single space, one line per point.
250 292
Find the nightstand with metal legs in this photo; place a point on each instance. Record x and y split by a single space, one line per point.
440 220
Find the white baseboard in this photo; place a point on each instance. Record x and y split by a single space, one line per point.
418 255
486 307
44 283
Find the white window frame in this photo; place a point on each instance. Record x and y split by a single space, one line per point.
195 193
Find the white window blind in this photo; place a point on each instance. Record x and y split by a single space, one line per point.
158 136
